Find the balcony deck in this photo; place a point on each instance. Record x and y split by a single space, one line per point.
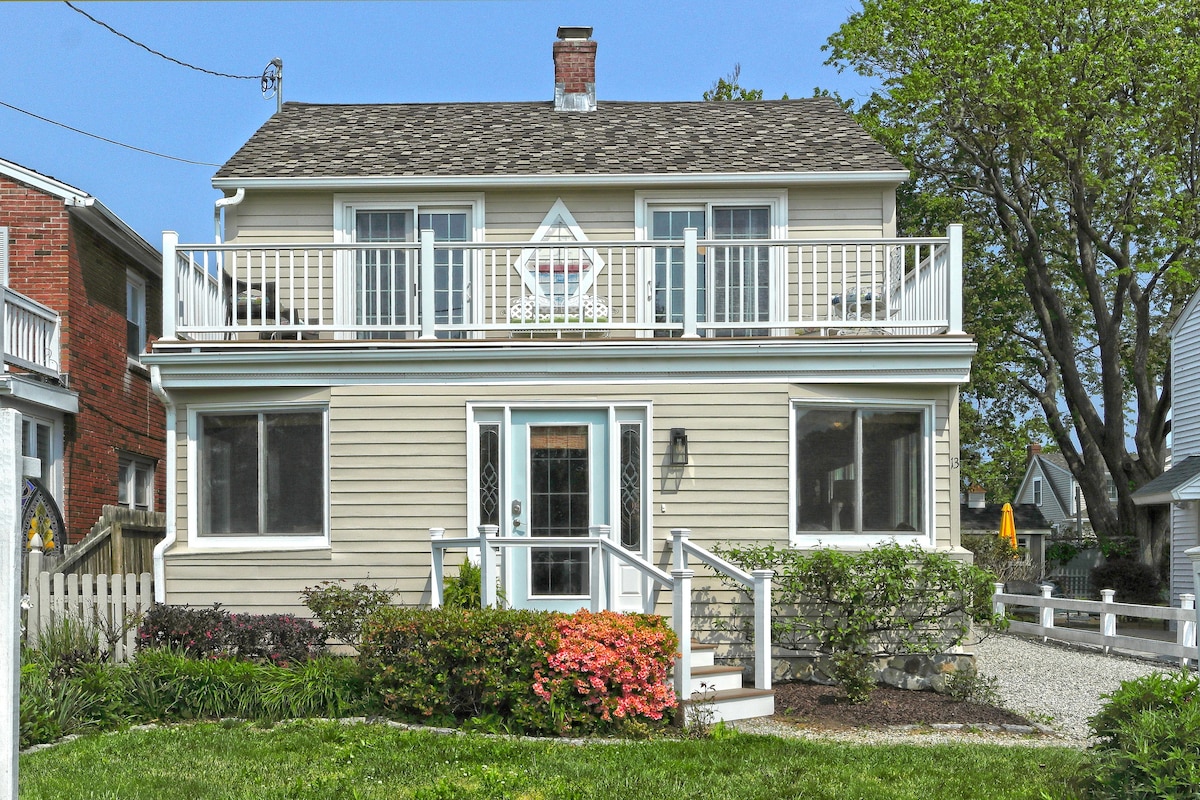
29 335
434 290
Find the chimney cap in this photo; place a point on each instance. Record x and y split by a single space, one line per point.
574 32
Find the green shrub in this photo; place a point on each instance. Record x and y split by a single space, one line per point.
997 557
466 590
328 686
51 709
343 609
1149 739
889 600
536 671
1133 581
279 639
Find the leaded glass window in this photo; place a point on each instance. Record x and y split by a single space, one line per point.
631 486
489 474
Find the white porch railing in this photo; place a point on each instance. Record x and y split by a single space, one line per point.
1184 647
689 287
29 334
604 557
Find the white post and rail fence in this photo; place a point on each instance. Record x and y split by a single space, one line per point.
1106 612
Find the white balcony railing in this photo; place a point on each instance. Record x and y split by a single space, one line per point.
29 334
456 290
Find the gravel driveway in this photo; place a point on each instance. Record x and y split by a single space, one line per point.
1054 684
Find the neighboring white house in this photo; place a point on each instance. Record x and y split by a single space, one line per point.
1049 485
1180 485
554 318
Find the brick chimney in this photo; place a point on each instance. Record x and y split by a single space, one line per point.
1031 451
574 70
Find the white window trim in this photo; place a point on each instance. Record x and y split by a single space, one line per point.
133 279
860 541
56 454
128 461
1037 492
345 206
775 199
200 542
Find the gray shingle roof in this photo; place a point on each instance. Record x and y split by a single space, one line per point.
1176 476
1026 516
517 139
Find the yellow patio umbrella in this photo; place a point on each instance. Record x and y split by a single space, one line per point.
1008 527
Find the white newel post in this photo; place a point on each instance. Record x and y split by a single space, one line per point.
997 605
606 571
439 557
487 565
170 296
426 293
1194 554
1047 610
690 284
954 280
1187 627
10 599
1108 620
682 603
762 628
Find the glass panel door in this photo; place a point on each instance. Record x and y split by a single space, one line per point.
668 265
561 488
451 282
383 279
741 278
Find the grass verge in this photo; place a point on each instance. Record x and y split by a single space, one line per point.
305 760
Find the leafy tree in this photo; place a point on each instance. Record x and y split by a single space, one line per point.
1067 133
728 88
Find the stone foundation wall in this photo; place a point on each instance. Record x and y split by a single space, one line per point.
913 672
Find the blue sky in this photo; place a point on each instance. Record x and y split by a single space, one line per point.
59 65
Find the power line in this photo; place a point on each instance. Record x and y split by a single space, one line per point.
110 141
116 32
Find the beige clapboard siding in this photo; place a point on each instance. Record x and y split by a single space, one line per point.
397 456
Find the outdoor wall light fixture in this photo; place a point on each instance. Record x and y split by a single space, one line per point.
677 451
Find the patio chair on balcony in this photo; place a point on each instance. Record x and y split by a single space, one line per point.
256 304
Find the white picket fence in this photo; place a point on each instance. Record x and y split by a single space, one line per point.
1107 610
109 604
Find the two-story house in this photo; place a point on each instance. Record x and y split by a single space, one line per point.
560 322
82 298
1049 485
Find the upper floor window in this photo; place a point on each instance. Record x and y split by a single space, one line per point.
734 283
1037 491
382 298
1112 490
860 470
39 440
135 483
135 314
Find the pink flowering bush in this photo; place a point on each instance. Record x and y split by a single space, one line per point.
520 670
616 663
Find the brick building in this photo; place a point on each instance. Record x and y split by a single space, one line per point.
82 298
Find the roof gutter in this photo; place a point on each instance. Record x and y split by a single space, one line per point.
98 216
891 177
222 203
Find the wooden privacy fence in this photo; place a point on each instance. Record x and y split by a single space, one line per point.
1107 610
108 604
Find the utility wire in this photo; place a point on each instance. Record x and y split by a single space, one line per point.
110 141
116 32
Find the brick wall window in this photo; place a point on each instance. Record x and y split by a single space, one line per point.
135 314
135 483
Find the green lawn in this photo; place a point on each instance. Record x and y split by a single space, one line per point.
329 760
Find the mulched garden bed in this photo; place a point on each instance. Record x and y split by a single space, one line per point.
819 706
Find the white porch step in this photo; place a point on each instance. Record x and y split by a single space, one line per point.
728 705
703 655
723 697
716 678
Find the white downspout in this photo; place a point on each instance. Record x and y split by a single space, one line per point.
225 202
160 580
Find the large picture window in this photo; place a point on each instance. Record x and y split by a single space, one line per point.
262 473
859 470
